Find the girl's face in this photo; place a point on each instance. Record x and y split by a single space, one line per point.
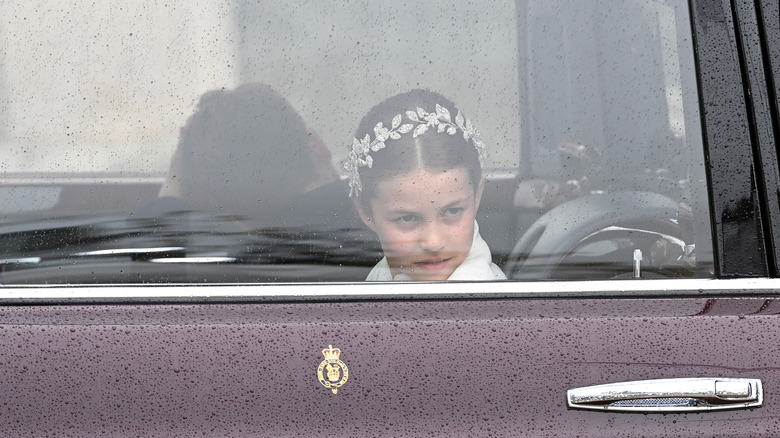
425 221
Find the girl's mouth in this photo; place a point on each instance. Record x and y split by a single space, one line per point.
432 265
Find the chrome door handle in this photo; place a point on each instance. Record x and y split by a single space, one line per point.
669 395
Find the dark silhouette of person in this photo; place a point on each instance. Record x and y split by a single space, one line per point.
247 153
250 183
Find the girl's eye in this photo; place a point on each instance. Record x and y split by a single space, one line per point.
453 211
406 219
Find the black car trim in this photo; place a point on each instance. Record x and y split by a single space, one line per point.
758 104
738 236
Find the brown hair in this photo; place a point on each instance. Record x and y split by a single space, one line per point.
432 150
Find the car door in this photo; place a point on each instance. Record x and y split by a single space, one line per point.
630 198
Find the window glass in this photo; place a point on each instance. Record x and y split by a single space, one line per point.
238 141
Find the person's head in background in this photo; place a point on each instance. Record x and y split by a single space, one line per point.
247 152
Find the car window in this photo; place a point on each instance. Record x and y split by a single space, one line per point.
267 142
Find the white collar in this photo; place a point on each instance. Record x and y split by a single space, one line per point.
478 265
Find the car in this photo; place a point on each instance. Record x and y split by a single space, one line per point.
184 248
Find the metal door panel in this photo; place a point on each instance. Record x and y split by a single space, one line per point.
416 368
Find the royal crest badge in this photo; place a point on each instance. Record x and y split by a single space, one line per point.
332 372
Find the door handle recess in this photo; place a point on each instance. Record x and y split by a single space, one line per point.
669 395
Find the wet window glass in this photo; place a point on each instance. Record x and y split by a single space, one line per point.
256 142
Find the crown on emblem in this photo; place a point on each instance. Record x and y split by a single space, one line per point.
331 353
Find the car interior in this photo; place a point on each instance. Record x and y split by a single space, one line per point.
596 171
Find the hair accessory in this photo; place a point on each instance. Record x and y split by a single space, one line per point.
421 122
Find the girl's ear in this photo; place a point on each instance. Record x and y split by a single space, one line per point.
365 216
478 193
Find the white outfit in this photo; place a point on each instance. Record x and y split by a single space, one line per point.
478 265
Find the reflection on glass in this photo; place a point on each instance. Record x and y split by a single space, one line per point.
247 152
210 139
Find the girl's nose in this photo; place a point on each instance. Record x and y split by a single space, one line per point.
433 237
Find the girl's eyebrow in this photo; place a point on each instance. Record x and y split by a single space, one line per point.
402 211
453 204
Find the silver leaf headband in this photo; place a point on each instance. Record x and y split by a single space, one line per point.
421 122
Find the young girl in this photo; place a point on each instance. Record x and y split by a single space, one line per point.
415 169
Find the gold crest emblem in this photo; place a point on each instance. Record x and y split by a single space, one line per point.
332 372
